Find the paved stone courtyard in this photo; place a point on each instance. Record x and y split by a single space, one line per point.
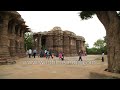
42 68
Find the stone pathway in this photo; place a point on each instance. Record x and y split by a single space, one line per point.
42 68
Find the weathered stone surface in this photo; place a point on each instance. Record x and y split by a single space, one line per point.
7 62
60 41
12 29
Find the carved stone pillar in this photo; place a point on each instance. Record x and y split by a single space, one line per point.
12 48
19 28
70 45
22 33
73 50
78 46
18 48
17 40
81 45
22 50
66 45
60 43
22 47
55 42
49 42
4 50
40 45
12 42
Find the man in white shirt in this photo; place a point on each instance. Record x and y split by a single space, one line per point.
30 53
102 56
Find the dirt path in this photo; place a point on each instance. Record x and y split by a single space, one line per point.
40 68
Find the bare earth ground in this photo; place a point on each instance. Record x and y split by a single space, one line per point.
42 68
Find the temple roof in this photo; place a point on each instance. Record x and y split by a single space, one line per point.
80 38
58 31
56 28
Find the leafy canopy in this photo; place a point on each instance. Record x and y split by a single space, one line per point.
28 39
100 43
85 15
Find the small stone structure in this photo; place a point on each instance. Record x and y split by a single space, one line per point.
60 41
12 29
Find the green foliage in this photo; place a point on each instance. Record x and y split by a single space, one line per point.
86 14
92 50
28 39
100 46
100 43
96 50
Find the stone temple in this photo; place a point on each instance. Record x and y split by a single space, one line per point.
12 29
59 41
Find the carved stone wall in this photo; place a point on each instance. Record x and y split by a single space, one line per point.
61 41
49 41
4 50
12 29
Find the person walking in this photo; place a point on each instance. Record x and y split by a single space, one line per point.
47 54
62 56
30 53
50 52
52 55
102 56
80 56
34 52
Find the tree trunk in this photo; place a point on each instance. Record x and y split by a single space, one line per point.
111 22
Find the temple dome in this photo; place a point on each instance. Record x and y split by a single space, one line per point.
56 28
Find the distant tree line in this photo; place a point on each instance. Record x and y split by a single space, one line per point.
28 39
98 48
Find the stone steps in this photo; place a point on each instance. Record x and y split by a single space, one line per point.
6 61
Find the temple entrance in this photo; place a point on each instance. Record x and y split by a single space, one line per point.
43 42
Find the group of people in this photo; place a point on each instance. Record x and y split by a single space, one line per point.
49 53
32 53
44 53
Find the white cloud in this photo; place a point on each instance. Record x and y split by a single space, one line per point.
91 29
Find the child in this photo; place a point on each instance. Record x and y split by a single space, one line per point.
60 55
